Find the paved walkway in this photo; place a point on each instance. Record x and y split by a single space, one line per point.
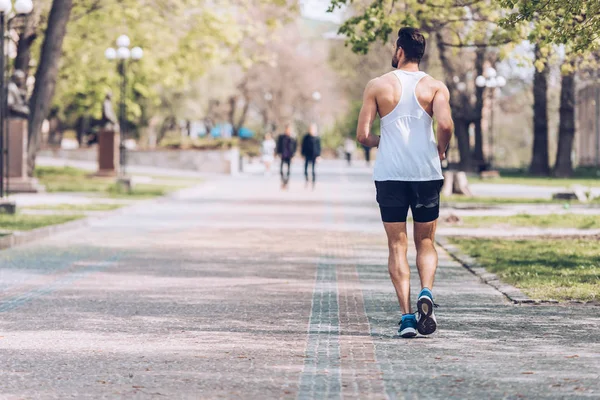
238 290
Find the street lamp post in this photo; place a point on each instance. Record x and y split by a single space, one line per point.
22 7
123 54
492 81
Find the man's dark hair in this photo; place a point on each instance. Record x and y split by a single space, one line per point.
412 41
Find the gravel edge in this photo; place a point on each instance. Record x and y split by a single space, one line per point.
510 292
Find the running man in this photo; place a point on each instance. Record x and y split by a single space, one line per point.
408 171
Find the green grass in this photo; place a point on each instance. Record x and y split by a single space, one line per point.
68 179
536 181
141 191
578 221
545 269
583 177
24 222
76 207
497 201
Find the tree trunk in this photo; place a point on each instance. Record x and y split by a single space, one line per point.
231 117
460 108
566 131
540 164
242 120
461 131
478 157
45 77
26 40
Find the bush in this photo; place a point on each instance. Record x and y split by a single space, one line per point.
187 143
345 127
248 147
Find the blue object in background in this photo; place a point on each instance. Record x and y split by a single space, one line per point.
245 133
215 131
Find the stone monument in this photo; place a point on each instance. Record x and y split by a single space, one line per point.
18 113
108 140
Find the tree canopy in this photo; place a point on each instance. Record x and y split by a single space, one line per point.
574 22
459 23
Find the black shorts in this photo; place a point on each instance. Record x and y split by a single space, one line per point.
396 197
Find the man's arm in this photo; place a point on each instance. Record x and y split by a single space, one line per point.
443 116
368 112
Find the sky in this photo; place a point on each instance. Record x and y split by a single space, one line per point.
317 9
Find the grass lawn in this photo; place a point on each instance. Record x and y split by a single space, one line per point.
536 181
68 179
583 177
545 269
76 207
141 191
498 201
23 222
577 221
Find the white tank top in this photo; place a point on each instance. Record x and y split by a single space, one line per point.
407 147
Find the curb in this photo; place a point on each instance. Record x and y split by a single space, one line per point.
512 293
24 237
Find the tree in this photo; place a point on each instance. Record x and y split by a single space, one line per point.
182 40
28 37
45 77
539 158
566 131
573 22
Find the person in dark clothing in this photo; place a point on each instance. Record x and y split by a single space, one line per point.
286 148
311 151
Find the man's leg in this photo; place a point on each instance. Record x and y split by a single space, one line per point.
427 258
398 266
281 170
306 161
314 175
287 174
426 210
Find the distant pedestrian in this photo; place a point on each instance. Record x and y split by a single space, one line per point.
367 151
349 148
286 148
311 151
267 150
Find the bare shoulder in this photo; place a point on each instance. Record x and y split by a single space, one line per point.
437 85
377 83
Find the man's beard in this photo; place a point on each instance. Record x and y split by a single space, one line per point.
395 62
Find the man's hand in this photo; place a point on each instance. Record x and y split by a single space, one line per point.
442 155
442 152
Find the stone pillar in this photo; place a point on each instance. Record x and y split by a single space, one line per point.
108 152
18 181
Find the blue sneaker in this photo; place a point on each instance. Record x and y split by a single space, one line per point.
426 322
408 326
